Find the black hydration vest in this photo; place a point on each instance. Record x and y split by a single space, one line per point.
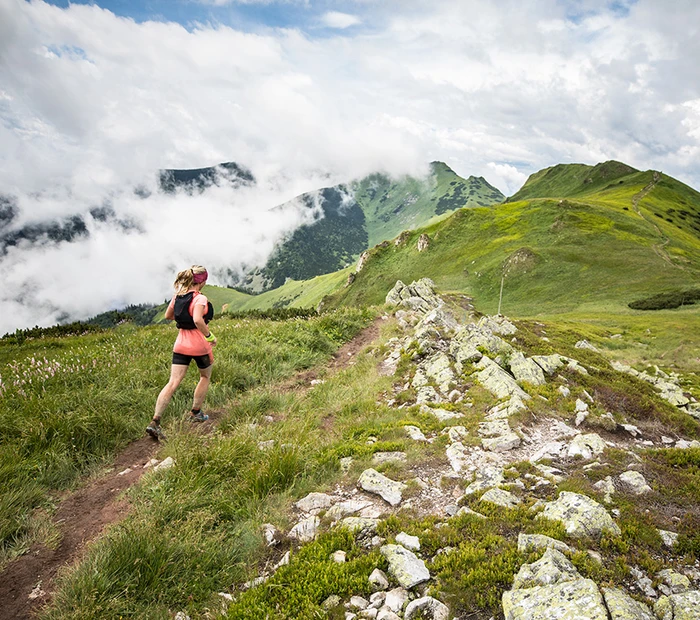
183 318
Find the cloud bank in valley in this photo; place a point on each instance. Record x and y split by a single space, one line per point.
92 105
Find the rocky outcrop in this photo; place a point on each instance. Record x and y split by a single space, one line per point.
580 515
404 566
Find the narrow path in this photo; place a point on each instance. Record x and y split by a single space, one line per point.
26 583
659 248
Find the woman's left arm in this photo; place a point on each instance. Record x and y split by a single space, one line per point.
198 317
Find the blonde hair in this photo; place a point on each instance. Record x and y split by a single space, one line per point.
185 279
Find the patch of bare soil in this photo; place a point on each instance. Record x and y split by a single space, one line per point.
26 582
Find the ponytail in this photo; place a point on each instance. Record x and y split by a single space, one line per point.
186 279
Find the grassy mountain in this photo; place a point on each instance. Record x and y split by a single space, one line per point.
364 213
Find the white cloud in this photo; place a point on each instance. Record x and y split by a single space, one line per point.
336 19
94 103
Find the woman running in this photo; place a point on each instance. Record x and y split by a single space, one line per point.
192 311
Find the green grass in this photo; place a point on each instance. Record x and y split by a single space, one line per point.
70 403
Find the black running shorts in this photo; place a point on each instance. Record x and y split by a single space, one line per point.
202 361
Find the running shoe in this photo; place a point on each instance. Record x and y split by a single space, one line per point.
155 431
198 417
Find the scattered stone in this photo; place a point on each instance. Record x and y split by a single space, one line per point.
675 581
500 498
151 463
457 433
623 607
374 482
357 602
427 394
501 444
580 515
586 446
684 444
271 534
410 542
332 601
465 510
306 530
415 433
377 599
360 525
528 542
379 458
443 415
427 607
458 456
486 478
181 615
346 508
552 473
165 464
266 445
396 599
607 487
643 582
345 463
584 344
36 592
254 583
378 580
339 556
404 566
564 391
669 538
552 568
128 470
387 614
284 561
454 396
314 502
634 482
631 429
494 428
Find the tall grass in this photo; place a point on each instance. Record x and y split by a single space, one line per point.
68 404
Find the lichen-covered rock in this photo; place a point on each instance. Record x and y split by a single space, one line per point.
580 515
586 446
549 363
408 541
606 486
396 599
500 498
498 381
415 433
486 478
674 581
669 538
443 415
346 508
552 568
427 394
498 324
404 566
378 580
494 428
528 542
374 482
428 608
568 600
379 458
458 456
438 367
623 607
634 482
685 606
526 370
360 525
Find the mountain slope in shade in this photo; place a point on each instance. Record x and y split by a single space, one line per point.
362 214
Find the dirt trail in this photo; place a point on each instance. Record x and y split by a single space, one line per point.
659 248
82 515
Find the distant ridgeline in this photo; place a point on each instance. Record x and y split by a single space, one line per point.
359 215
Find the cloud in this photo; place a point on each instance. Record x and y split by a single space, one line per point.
336 19
92 104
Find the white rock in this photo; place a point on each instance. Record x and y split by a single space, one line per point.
427 607
415 433
404 566
410 542
396 599
306 530
458 456
635 482
379 458
500 498
314 502
284 560
669 538
378 580
374 482
346 508
586 446
165 464
357 602
502 443
271 533
338 556
564 391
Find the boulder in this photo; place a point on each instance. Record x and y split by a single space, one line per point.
498 381
579 599
404 566
415 433
378 580
501 444
346 508
427 607
374 482
674 581
552 568
396 599
580 515
408 541
623 607
606 486
634 482
526 370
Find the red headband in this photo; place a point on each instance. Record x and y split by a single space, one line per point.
200 277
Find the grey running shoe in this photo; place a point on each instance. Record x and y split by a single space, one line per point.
155 431
199 417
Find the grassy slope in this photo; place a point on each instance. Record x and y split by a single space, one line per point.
590 253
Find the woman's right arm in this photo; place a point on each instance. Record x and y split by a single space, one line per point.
170 312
